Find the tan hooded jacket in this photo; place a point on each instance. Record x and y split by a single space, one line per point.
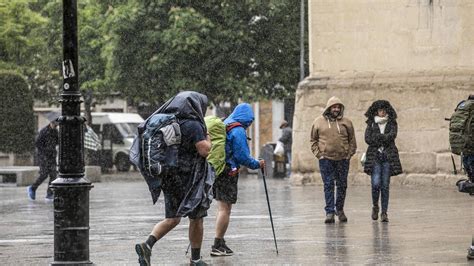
333 139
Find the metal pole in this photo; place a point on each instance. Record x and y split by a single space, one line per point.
71 188
302 40
269 209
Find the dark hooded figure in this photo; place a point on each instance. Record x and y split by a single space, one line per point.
186 191
382 159
46 142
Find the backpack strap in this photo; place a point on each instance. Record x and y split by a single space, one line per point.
230 126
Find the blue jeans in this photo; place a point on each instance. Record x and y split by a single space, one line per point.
468 161
381 183
334 173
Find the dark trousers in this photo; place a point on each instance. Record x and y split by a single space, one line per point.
380 180
45 171
334 173
468 161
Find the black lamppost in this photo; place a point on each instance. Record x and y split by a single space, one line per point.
71 188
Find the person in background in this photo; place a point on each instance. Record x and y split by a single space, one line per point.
287 139
382 159
45 143
333 143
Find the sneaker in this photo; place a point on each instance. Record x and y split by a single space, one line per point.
221 250
384 217
342 216
329 218
31 193
49 197
470 253
198 262
375 213
144 254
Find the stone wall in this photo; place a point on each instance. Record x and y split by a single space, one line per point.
418 54
421 100
397 36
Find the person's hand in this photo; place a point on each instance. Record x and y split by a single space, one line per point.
262 163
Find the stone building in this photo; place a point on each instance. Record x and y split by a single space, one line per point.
418 54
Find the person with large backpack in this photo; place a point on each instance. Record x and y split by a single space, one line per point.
461 141
225 187
170 151
461 134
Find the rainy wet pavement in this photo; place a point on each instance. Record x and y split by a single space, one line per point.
426 226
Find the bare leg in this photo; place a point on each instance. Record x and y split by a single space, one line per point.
196 230
223 218
163 227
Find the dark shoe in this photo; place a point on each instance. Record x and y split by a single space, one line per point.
375 213
342 217
49 197
144 254
329 218
221 249
31 193
199 262
470 253
384 217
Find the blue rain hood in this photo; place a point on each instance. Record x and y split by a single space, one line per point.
243 114
236 147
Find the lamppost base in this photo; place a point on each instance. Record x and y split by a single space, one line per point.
71 220
71 263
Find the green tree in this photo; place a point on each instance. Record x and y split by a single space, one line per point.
225 49
17 129
22 42
91 42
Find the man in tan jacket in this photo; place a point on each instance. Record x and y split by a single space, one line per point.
333 143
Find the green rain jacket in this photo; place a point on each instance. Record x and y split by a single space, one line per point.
216 130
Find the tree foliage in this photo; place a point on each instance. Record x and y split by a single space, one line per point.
225 49
149 50
17 129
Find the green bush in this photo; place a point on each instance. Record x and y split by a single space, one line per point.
17 129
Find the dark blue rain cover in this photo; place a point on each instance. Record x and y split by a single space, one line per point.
185 105
152 153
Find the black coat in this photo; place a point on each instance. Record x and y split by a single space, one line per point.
375 140
46 143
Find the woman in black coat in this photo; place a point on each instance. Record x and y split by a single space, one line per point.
382 159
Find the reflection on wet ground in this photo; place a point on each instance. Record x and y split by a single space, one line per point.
426 226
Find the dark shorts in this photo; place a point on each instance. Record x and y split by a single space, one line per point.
174 189
225 187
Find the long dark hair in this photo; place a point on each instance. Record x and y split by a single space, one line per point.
380 104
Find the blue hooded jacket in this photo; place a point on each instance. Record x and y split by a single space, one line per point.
236 147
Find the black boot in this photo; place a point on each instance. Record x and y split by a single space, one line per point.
384 217
329 218
342 216
375 213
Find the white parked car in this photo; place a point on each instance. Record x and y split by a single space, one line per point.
116 132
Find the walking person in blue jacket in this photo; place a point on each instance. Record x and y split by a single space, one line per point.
225 186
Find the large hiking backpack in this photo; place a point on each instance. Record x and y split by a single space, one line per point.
461 126
158 141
